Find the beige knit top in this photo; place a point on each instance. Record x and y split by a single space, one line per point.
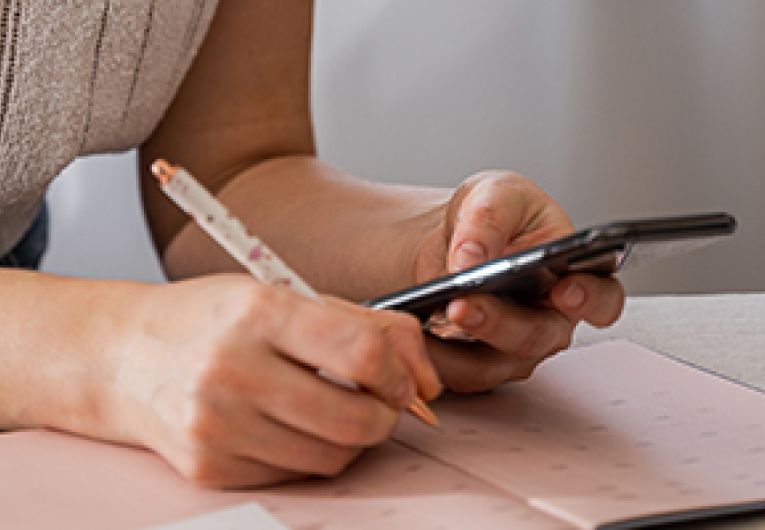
79 77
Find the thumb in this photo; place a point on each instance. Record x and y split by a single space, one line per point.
486 221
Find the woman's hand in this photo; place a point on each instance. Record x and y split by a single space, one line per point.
220 377
492 214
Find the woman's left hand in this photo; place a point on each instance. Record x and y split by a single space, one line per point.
495 213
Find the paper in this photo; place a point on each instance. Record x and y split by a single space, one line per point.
598 437
243 517
608 433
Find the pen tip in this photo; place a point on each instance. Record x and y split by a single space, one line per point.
163 170
423 412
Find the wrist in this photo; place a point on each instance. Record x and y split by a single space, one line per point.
62 355
119 342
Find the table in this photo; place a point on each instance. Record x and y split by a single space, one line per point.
721 333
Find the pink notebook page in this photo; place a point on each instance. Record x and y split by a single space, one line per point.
607 434
52 481
599 435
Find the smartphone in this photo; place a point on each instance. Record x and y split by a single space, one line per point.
529 275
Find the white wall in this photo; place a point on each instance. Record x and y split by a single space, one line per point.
97 226
618 108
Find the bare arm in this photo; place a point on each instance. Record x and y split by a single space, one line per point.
218 374
58 359
241 123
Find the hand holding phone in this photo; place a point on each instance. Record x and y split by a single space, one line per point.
528 276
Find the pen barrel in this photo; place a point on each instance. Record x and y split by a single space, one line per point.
248 250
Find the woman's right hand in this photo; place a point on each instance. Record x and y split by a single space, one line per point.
219 375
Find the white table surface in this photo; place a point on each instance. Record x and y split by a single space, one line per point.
721 333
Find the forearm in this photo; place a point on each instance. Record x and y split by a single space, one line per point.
58 339
347 237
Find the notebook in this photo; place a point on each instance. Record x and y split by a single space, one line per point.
609 436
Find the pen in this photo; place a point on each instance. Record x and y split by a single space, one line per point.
248 250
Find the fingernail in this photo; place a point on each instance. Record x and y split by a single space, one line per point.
468 254
404 393
574 296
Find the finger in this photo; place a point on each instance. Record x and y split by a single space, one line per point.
296 451
598 301
246 432
525 332
213 469
404 335
489 216
499 209
297 397
220 471
477 367
342 342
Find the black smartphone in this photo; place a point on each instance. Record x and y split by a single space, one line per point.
529 275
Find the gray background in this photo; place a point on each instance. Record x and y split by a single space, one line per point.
617 108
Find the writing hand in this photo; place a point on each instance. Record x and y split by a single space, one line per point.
220 377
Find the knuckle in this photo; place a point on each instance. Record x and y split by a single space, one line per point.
268 308
246 299
366 358
485 216
407 336
257 294
489 217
